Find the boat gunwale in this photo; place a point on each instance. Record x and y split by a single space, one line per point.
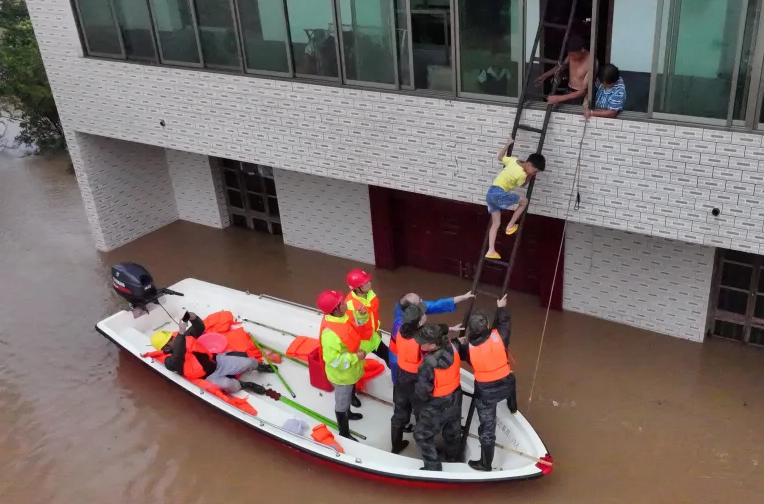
336 456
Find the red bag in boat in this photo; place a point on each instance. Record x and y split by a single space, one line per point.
219 322
371 369
317 372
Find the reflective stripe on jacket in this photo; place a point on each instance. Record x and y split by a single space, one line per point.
366 324
339 344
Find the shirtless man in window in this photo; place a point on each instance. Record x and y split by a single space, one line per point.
579 64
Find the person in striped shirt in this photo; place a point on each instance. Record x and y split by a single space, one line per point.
610 93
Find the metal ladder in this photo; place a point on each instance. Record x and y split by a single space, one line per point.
525 98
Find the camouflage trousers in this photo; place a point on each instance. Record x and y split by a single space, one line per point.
486 412
405 402
439 415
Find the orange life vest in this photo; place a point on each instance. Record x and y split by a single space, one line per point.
372 309
447 380
236 402
409 355
301 346
345 330
219 322
322 435
489 359
191 366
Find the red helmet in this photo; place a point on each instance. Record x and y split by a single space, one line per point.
327 301
357 278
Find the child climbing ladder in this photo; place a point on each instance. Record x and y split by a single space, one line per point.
500 195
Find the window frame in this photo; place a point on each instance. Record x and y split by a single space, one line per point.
522 64
155 59
195 24
337 48
235 25
84 35
394 49
243 45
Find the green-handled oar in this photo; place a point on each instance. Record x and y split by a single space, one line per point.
274 368
317 416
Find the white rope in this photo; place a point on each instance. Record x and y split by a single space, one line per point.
573 189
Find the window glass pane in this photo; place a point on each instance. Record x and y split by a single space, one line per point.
698 44
746 59
311 26
99 27
135 24
234 199
217 33
270 187
736 275
273 207
631 48
402 29
367 40
276 228
757 336
758 310
733 301
260 225
489 46
239 220
729 330
431 44
256 202
231 179
175 26
254 183
263 26
737 256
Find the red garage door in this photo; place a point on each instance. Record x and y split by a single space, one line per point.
445 236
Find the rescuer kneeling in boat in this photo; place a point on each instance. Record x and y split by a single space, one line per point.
343 357
438 387
184 355
494 381
409 360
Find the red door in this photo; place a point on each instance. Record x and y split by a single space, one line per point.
445 236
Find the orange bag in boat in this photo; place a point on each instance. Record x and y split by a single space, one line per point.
236 402
239 341
322 435
371 369
301 347
219 322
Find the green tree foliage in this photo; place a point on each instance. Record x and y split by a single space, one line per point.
25 94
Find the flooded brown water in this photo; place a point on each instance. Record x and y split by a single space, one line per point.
630 416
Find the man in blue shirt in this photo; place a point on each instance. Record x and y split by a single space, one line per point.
610 93
445 305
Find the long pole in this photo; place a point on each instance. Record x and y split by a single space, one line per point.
274 368
313 414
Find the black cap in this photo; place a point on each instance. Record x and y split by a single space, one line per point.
413 312
478 324
429 333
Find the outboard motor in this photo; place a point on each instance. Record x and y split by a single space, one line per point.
133 283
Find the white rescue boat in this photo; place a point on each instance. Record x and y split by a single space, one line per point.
519 454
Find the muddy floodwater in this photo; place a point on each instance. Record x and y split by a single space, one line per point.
629 416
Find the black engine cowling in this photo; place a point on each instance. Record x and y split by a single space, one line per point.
134 283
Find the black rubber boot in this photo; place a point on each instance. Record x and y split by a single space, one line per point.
252 387
354 401
354 416
264 367
396 436
344 426
486 459
409 428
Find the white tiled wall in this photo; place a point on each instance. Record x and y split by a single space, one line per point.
126 188
325 215
649 282
198 189
642 177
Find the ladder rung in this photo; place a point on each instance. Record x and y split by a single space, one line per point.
497 261
488 293
529 128
547 60
556 26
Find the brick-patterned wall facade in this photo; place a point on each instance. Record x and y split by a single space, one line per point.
653 283
645 178
325 215
198 189
126 188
